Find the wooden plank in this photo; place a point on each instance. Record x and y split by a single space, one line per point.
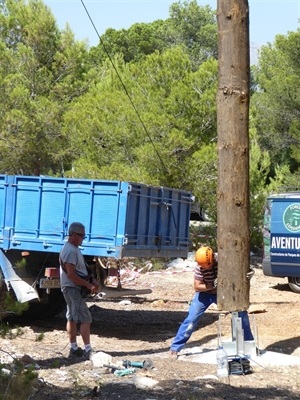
110 292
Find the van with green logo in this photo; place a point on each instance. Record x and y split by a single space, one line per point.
281 235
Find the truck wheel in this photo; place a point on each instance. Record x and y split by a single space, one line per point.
294 283
50 305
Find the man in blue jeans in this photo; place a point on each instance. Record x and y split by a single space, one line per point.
205 277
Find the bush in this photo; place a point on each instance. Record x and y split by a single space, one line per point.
16 382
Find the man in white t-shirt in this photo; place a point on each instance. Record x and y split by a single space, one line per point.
73 276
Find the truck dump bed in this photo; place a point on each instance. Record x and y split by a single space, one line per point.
122 219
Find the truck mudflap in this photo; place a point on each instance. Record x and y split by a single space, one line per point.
23 291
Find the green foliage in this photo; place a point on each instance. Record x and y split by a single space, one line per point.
19 384
40 337
190 26
259 170
42 71
64 110
7 332
140 40
16 381
8 304
203 234
277 100
203 178
21 263
11 306
112 143
158 264
275 125
194 27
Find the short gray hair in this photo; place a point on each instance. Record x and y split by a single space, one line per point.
76 227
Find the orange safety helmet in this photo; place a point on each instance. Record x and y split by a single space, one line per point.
204 257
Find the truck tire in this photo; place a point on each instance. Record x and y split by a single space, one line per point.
9 306
50 305
294 283
4 313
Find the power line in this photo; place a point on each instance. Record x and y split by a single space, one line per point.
125 89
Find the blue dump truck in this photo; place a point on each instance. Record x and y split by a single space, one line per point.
281 235
122 219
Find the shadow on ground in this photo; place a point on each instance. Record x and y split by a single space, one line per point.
169 390
289 345
152 325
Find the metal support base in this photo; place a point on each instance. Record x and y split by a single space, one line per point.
238 346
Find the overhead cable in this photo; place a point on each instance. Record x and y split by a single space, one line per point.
124 87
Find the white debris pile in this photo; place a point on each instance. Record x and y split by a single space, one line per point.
128 274
183 264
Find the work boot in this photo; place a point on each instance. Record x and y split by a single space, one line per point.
76 353
87 354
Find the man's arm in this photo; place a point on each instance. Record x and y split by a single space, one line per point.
200 286
71 273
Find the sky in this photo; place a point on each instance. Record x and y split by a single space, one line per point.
267 17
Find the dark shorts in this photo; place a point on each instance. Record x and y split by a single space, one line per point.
77 309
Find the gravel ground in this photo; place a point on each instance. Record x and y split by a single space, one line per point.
142 328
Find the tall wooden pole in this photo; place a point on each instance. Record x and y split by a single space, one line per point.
233 154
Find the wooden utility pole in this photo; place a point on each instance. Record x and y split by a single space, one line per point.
233 154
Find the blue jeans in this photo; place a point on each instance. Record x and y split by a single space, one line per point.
199 305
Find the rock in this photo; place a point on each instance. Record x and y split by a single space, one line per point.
5 371
158 303
26 359
142 382
100 358
208 386
125 303
257 308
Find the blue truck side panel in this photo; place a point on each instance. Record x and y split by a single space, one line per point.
122 219
282 247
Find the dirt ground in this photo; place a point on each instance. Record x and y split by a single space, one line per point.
142 328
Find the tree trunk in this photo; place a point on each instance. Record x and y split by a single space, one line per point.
233 154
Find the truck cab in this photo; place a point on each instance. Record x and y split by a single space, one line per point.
281 236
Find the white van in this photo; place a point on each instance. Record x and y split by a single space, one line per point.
282 238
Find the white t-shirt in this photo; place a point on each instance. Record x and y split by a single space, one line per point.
71 254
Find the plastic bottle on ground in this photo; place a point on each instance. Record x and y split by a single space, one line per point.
222 363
